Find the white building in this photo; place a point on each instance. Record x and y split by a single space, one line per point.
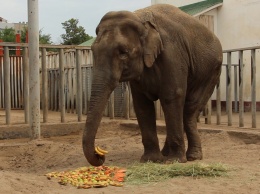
18 27
237 25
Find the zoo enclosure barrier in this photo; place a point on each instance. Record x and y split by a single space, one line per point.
66 78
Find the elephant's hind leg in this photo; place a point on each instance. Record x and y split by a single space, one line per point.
194 151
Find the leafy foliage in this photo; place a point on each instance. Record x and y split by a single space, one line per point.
74 34
7 35
44 38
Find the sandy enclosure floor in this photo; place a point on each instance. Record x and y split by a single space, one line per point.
23 163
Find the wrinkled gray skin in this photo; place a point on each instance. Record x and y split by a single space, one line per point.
166 55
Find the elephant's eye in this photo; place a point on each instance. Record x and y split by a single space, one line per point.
123 53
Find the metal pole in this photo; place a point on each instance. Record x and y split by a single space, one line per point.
34 83
7 85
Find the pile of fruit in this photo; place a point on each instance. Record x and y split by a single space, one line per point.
91 177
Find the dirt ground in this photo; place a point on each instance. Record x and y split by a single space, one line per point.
23 163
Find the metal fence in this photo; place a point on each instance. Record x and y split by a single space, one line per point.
66 77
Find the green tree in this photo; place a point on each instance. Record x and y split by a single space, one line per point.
74 34
43 38
7 35
23 34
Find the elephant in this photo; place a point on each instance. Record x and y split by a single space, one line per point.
166 55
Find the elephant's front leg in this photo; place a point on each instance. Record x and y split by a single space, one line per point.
174 148
145 113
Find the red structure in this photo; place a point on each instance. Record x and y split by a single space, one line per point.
1 49
18 40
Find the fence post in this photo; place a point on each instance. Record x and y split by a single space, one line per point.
7 85
229 99
61 87
253 88
26 84
235 88
79 84
241 90
44 87
218 103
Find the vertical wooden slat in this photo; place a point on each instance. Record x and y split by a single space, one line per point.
218 103
12 80
253 88
52 89
61 85
208 112
86 91
79 84
241 90
15 82
49 89
127 102
7 85
44 87
229 89
70 89
26 85
56 90
19 81
112 106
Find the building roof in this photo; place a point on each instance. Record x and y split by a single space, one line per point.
201 7
88 43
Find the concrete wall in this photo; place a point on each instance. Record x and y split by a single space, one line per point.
237 25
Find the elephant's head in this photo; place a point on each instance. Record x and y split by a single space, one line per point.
123 48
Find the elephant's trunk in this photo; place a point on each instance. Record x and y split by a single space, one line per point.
101 90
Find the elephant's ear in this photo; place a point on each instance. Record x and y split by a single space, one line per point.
152 44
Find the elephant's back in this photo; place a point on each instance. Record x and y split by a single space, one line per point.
173 24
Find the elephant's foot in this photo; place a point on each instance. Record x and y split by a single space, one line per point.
194 153
152 157
177 154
